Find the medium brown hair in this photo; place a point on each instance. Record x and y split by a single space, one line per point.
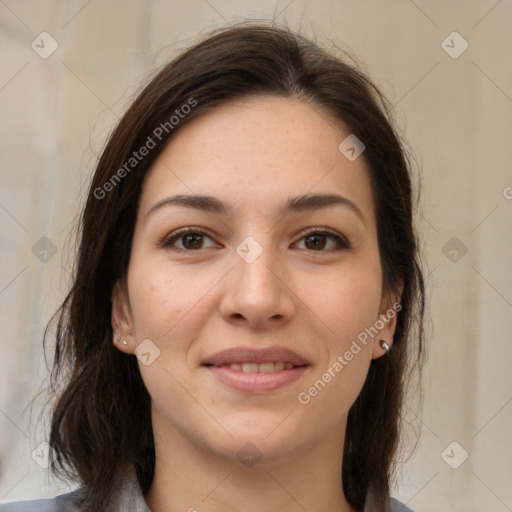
101 414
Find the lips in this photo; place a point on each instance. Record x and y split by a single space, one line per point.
258 368
248 356
256 371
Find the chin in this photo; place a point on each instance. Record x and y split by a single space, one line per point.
265 436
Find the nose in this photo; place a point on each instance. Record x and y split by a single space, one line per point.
259 292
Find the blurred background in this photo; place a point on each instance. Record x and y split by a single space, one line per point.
69 69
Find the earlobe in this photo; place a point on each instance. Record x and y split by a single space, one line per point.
386 324
121 320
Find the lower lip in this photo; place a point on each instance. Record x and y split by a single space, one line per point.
256 382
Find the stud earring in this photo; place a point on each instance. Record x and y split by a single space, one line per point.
124 341
384 345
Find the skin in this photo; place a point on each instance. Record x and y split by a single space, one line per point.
194 302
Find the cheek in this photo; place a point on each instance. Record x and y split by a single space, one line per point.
331 395
160 298
346 308
346 302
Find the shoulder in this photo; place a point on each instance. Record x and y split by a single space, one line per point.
69 502
397 506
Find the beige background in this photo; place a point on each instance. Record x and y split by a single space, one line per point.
455 112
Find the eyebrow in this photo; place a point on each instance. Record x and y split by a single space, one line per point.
306 202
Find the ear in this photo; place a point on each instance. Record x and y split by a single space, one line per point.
121 318
386 322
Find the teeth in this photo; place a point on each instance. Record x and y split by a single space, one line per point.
261 368
250 367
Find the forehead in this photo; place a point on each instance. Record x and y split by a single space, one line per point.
258 151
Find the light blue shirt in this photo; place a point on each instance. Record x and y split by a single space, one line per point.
128 498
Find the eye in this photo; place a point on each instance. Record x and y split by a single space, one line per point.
317 240
190 239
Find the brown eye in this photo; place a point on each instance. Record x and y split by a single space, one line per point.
192 241
186 240
315 241
318 241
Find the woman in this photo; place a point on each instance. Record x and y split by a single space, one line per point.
241 325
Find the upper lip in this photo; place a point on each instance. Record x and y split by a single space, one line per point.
250 355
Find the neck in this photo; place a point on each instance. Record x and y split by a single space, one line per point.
189 479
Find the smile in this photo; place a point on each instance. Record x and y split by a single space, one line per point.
259 368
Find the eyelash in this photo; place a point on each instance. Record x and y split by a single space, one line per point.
341 241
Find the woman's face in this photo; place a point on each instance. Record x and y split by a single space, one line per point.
252 275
